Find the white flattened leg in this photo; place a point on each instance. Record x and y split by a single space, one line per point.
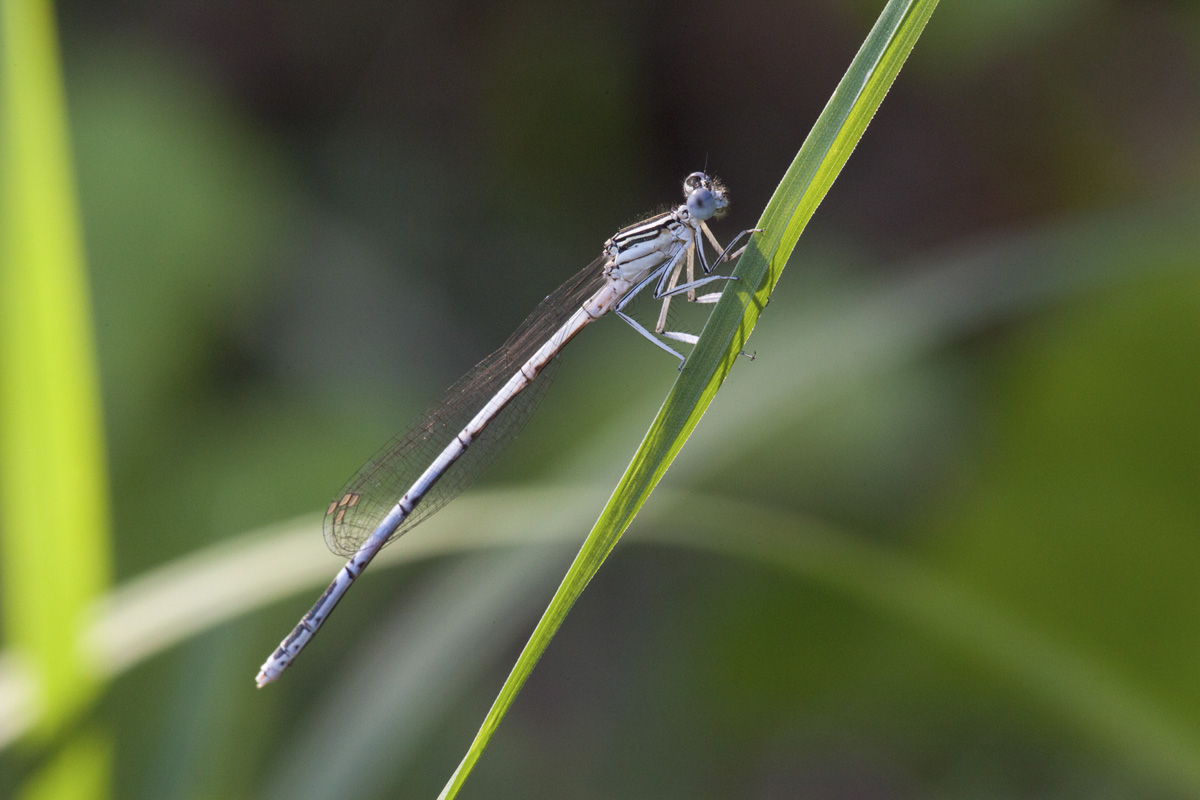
637 327
691 338
686 338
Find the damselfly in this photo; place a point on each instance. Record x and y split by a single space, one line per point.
422 469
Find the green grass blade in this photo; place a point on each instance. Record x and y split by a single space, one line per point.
53 493
818 163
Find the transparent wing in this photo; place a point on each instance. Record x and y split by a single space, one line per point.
372 492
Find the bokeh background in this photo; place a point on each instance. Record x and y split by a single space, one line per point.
973 409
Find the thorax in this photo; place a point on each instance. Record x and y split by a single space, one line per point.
634 251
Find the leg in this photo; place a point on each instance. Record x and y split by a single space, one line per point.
691 338
667 281
659 274
690 287
727 253
666 274
667 277
686 338
698 248
637 327
662 315
667 289
699 245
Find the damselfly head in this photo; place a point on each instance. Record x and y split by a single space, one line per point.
705 197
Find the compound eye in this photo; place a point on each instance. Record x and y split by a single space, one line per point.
694 181
702 204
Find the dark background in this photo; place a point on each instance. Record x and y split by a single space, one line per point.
303 220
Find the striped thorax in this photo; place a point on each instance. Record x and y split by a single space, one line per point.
634 251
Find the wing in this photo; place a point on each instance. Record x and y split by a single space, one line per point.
372 492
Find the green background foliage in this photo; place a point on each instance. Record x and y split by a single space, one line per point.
937 539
